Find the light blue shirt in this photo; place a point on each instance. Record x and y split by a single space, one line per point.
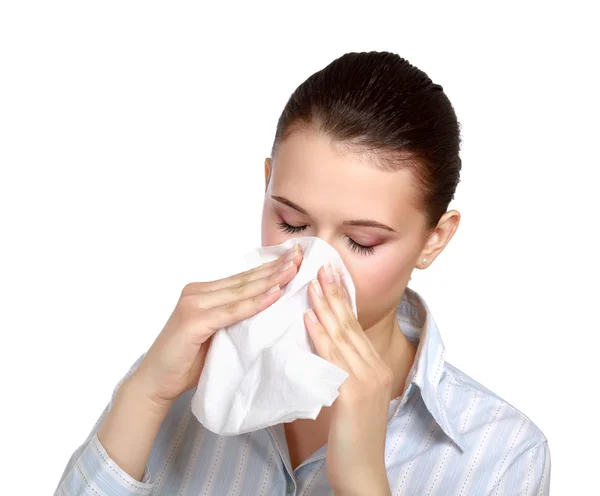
446 435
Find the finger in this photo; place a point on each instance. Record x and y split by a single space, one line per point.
340 338
324 346
237 280
348 328
245 290
235 311
340 303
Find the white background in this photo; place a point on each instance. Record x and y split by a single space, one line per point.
132 143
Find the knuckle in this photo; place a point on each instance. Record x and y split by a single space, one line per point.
238 287
340 336
269 281
231 307
336 292
258 300
347 324
187 302
192 287
193 302
241 279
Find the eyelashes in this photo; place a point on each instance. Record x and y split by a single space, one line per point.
363 250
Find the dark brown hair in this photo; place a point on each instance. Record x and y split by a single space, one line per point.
380 106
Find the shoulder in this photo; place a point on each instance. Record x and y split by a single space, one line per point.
484 419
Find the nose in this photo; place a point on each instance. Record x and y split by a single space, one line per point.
325 236
331 240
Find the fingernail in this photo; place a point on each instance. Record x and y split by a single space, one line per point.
329 273
292 253
311 315
317 287
337 275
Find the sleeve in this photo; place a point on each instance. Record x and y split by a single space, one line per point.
90 471
528 475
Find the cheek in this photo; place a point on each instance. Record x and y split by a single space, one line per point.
379 284
378 277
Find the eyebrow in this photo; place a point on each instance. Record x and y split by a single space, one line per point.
358 222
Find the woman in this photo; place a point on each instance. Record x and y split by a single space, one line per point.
365 156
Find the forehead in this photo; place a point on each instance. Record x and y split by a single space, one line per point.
309 169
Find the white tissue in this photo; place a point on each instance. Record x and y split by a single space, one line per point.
263 371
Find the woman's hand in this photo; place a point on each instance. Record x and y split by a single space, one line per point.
174 362
356 443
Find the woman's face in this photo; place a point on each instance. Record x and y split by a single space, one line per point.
319 191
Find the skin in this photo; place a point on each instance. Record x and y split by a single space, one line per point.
333 185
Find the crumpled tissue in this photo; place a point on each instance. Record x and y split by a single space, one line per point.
263 370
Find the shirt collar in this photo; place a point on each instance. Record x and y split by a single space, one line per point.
418 325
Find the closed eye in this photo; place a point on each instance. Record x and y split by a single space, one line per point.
358 248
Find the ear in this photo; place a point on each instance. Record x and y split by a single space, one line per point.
267 172
439 238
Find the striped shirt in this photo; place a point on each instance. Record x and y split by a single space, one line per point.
446 435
